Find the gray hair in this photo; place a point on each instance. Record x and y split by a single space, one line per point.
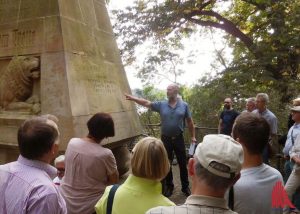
213 181
59 159
264 96
251 99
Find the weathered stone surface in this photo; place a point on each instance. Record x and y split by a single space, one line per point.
102 17
81 72
9 10
20 85
32 9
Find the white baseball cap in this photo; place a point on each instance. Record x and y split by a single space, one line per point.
296 108
222 149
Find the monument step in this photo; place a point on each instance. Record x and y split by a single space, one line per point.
9 125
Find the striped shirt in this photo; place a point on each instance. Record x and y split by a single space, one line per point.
26 187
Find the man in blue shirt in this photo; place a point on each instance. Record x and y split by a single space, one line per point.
173 114
262 99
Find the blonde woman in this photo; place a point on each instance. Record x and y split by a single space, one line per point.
142 189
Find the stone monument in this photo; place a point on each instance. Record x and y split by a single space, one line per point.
60 57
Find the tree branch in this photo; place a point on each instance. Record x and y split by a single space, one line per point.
253 2
224 24
202 6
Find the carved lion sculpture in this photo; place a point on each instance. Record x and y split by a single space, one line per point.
17 83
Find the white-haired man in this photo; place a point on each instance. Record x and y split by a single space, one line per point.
262 100
59 164
250 104
215 167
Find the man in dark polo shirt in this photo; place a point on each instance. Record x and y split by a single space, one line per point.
173 114
227 118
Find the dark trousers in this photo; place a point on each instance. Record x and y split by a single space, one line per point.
266 155
176 144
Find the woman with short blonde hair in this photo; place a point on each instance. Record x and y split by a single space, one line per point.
142 188
150 159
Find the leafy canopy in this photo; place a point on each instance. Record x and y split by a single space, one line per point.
264 36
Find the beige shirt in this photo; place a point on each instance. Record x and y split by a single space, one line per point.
87 168
196 204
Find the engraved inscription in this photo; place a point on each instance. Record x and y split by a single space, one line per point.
18 38
23 38
99 80
105 87
5 1
4 40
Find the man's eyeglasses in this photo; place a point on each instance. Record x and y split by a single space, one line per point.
60 169
295 112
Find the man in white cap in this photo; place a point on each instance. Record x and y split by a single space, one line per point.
215 167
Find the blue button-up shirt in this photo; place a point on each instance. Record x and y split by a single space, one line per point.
172 119
270 118
26 187
288 144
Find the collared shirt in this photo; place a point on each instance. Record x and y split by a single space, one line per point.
270 118
26 186
136 195
196 204
295 151
172 119
288 144
88 167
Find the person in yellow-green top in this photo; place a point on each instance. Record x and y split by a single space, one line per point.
142 190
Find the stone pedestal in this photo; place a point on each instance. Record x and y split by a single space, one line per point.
79 68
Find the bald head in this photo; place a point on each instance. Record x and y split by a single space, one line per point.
172 91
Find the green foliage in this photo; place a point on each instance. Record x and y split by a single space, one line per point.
146 115
161 63
264 35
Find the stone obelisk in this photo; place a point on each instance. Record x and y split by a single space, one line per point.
60 57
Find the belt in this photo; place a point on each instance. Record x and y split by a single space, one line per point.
172 137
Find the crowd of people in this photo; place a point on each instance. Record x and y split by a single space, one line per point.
229 171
